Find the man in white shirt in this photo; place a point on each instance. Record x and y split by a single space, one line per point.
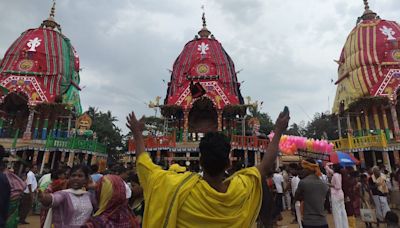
28 196
294 184
278 181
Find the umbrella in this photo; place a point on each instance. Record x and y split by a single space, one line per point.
343 159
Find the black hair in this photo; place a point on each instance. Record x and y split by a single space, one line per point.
84 168
214 149
119 169
336 168
2 164
311 160
391 218
3 154
363 176
134 178
129 165
322 170
293 166
94 168
355 174
55 174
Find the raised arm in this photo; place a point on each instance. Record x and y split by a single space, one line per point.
45 198
136 127
268 160
328 169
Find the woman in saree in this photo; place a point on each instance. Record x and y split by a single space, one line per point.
17 186
113 210
71 207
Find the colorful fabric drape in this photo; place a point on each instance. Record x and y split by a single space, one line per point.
16 183
13 218
113 206
368 63
53 67
17 186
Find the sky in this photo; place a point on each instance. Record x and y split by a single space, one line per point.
284 48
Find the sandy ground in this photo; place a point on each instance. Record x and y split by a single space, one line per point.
285 223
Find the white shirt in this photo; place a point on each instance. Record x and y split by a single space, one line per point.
128 191
278 181
45 178
324 178
294 183
30 180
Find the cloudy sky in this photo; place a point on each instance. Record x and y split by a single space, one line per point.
285 47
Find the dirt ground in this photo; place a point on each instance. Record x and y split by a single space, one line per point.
285 223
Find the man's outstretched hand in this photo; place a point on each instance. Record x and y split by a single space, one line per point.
269 158
282 122
136 126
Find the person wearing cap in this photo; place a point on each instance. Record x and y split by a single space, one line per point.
312 191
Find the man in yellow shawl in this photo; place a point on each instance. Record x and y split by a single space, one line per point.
190 200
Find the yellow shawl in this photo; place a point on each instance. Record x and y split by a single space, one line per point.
186 200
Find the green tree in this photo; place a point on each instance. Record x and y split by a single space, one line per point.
106 131
296 129
266 124
154 124
323 126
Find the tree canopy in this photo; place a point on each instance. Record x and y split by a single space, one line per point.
106 131
266 124
323 126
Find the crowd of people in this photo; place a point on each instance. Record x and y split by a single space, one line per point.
146 195
310 190
78 196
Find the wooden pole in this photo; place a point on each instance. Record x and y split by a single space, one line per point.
395 121
219 113
366 119
359 128
385 122
376 119
185 125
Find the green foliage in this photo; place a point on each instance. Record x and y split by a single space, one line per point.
106 131
323 126
296 129
266 124
154 124
231 111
